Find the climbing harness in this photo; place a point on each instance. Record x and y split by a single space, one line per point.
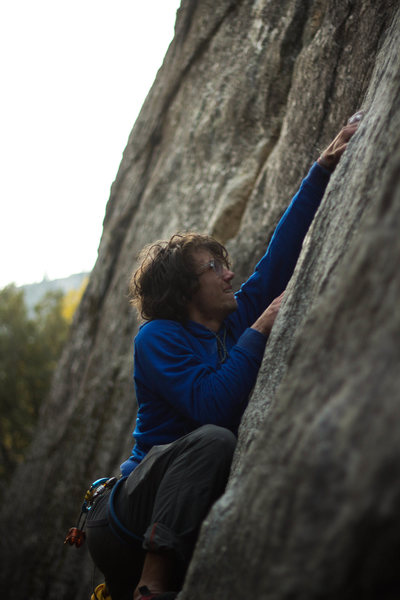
76 535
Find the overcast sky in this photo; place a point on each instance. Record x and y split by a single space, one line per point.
74 76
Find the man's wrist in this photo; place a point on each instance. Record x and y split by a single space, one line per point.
262 326
326 164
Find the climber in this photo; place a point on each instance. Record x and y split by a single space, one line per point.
197 357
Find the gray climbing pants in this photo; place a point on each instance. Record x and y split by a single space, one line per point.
159 507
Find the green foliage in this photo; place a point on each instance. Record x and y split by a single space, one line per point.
29 350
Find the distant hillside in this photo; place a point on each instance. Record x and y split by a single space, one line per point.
34 292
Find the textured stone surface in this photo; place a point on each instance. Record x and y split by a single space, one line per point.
248 94
311 510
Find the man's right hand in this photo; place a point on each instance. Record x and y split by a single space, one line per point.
265 322
331 155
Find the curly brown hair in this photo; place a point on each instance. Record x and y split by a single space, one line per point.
166 278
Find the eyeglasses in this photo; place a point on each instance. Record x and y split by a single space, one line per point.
217 265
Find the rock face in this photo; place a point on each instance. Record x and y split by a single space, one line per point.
249 93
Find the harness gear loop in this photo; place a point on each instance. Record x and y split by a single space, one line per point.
76 535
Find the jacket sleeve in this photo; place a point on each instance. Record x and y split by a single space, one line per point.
274 270
195 389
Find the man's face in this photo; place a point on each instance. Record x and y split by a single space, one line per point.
214 300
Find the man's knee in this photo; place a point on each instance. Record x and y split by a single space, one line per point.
219 441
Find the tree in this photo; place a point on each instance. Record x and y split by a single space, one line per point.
29 351
72 299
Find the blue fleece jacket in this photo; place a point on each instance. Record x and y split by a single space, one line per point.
179 378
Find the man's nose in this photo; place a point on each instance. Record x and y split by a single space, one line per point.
228 275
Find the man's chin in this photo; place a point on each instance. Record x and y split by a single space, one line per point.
232 306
